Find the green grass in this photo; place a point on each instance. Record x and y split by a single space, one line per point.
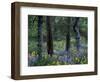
59 45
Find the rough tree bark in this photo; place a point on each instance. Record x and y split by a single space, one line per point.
49 37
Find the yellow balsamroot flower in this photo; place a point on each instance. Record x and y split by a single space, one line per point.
77 59
34 53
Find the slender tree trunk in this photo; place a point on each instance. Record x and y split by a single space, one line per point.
67 42
76 30
49 37
67 47
78 38
40 36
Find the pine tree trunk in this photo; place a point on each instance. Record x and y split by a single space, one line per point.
67 42
67 47
40 36
49 37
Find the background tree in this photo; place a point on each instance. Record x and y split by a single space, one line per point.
40 39
49 36
68 34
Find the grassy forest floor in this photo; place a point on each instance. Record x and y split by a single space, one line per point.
60 56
